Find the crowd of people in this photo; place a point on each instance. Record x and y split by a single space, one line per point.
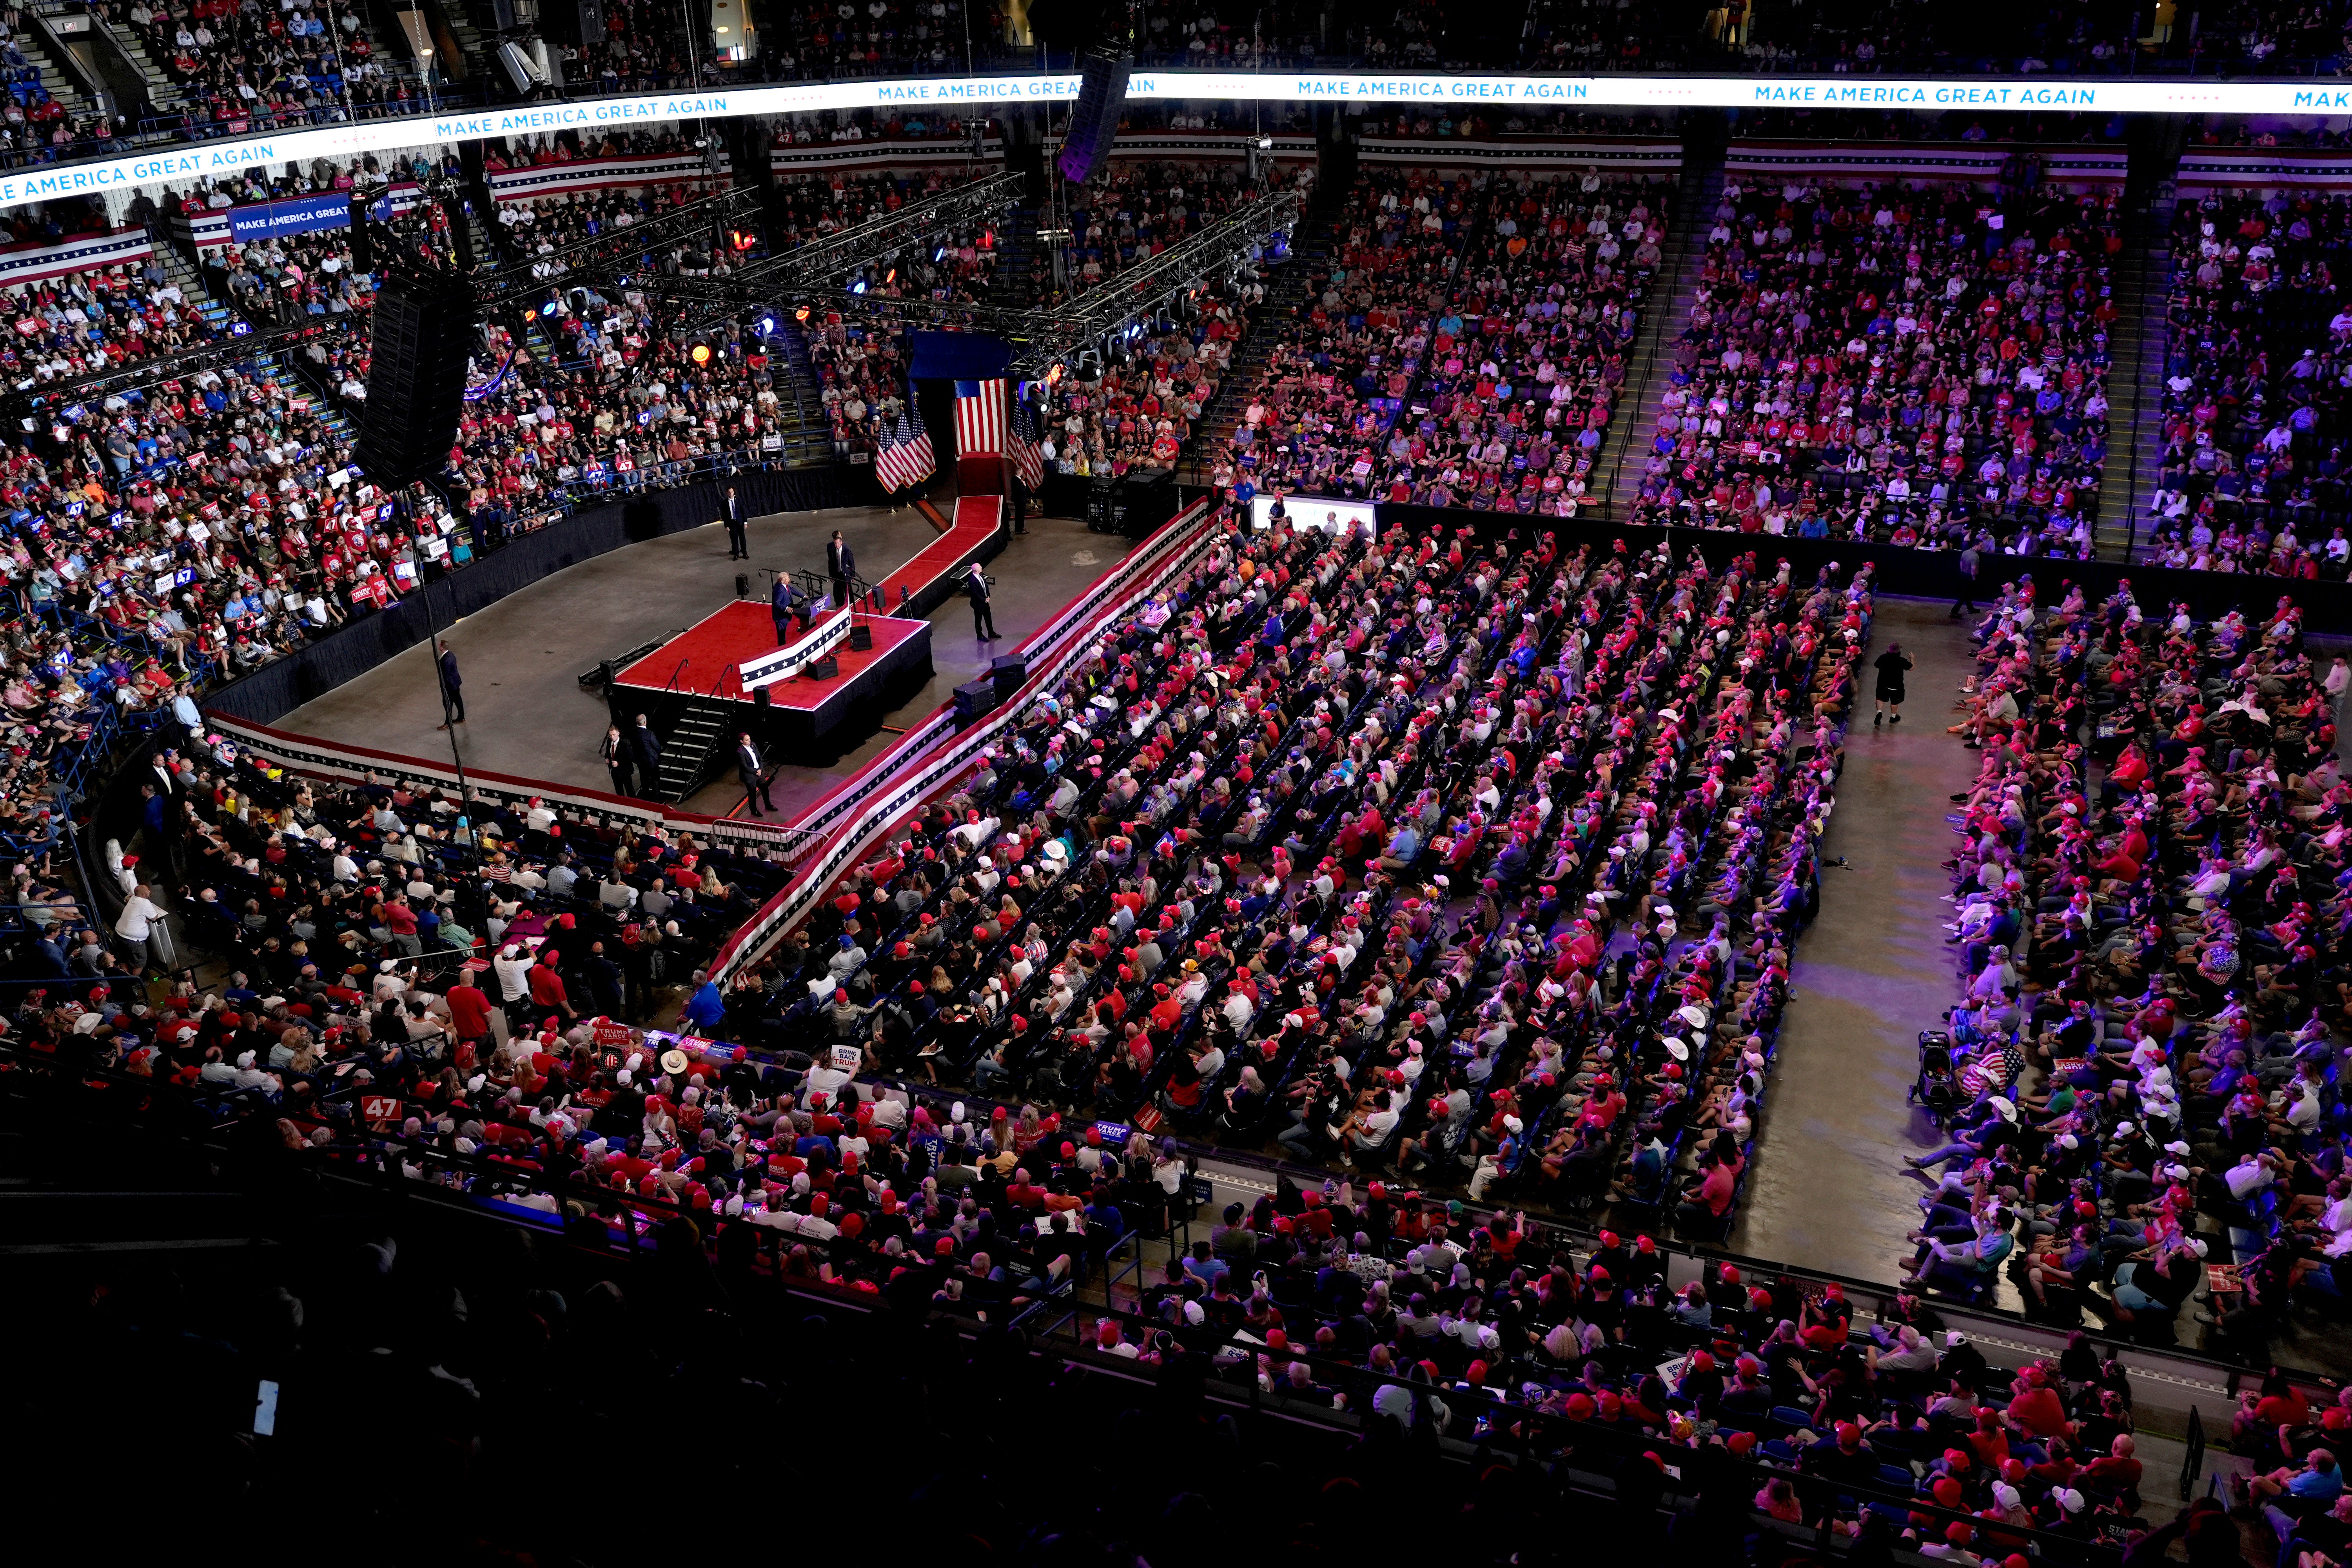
1479 860
2138 1079
1919 366
2258 351
1335 375
241 67
1465 359
1141 414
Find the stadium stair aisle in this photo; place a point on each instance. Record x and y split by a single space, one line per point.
2143 439
2134 381
67 90
1286 299
218 316
1700 188
163 95
1828 1185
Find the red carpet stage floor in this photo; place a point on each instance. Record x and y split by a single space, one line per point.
713 647
744 629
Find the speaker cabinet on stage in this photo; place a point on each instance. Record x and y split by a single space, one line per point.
861 636
974 698
1009 670
823 668
423 332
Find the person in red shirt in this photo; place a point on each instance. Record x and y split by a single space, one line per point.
2119 1468
470 1010
547 990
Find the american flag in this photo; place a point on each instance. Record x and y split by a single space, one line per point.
904 456
980 418
1028 463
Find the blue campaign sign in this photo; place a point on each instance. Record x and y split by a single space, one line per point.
297 215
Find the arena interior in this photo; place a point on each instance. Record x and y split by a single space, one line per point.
820 756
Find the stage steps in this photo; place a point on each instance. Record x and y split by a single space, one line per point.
691 742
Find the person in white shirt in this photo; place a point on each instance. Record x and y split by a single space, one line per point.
133 926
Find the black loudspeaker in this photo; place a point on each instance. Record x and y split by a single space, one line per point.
423 334
861 636
824 668
1009 670
571 21
742 584
974 698
362 237
1094 124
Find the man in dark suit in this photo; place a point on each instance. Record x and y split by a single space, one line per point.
618 753
738 547
840 566
453 687
975 588
647 747
780 607
748 775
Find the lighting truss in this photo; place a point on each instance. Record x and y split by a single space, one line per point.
611 253
811 274
823 261
1041 338
1136 293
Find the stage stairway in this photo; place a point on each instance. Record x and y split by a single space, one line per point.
697 736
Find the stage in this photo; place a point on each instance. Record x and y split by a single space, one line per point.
700 671
531 719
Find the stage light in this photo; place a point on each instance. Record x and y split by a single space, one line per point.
1054 374
858 287
940 253
766 323
802 314
890 277
699 353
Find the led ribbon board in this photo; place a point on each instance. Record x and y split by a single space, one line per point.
1428 90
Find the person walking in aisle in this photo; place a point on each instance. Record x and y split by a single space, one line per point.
1967 601
645 750
134 926
975 588
453 687
841 565
617 753
1891 666
738 547
748 775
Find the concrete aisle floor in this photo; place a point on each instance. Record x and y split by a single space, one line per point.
527 715
1828 1188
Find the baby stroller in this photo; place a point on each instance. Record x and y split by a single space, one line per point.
1935 1089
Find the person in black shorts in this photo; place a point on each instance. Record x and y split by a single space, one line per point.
1890 665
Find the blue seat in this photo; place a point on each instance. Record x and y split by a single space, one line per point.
1896 1476
1779 1453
